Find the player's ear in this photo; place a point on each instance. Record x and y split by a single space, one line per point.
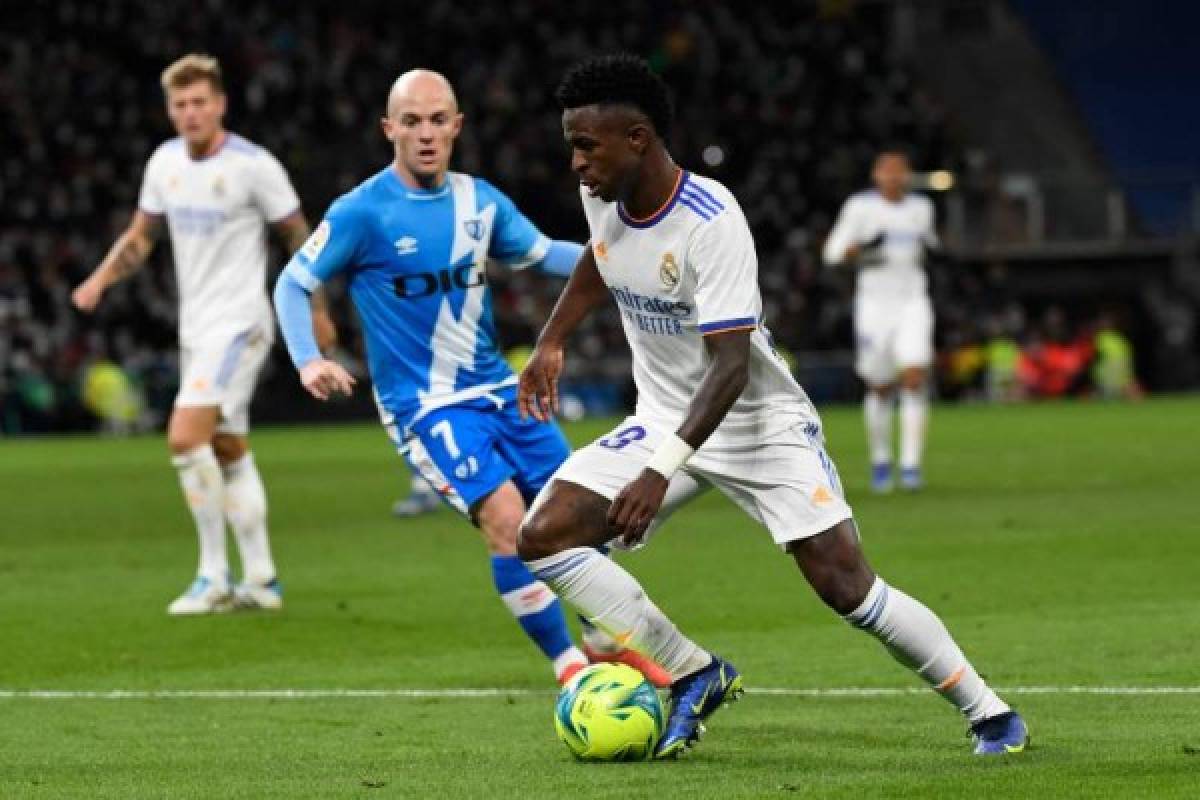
639 136
385 123
458 123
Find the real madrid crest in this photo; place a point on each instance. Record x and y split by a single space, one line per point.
218 186
668 271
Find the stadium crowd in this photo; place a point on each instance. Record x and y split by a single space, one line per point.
786 103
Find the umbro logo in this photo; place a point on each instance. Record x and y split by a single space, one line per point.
406 246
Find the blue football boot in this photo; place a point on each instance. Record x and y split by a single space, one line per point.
881 478
1001 734
910 479
693 699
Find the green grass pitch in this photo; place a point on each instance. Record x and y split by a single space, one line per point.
1059 542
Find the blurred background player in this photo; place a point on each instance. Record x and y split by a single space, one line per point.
218 192
413 241
884 234
421 499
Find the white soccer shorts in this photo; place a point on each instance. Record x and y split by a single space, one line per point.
222 371
787 483
892 336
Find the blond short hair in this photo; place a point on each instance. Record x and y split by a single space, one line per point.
190 69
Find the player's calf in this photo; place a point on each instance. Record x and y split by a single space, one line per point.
835 566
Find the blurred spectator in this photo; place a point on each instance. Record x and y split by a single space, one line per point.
1112 370
1056 362
784 102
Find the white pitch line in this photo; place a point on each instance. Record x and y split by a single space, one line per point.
317 694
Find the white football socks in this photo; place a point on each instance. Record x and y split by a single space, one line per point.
877 414
918 640
914 417
613 601
246 510
204 491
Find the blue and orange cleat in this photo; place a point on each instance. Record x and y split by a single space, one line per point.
693 699
881 478
1001 734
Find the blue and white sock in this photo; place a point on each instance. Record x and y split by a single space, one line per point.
615 603
917 639
538 612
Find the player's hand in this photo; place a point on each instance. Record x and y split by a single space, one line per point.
322 377
87 296
537 388
635 507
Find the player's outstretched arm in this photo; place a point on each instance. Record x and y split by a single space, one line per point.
560 259
320 376
724 380
125 257
537 391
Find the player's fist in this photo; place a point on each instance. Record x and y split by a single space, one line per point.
537 388
87 296
635 506
322 377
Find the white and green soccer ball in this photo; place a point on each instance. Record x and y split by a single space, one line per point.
609 712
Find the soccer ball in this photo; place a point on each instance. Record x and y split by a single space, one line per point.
609 712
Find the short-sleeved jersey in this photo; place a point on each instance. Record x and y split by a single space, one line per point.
907 228
217 208
415 264
687 271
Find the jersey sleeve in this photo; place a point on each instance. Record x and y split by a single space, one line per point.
333 247
516 242
150 198
929 234
273 192
722 256
844 234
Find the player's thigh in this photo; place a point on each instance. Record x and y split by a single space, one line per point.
914 335
874 345
220 372
535 450
787 483
240 381
454 450
609 464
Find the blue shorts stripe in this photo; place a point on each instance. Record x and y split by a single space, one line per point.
230 359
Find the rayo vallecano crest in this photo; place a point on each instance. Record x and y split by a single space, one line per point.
474 228
668 271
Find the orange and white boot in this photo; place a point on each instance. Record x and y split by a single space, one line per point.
599 647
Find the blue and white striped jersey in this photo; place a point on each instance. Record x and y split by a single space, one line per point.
415 264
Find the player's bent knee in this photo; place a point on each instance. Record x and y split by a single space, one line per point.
835 567
228 448
538 535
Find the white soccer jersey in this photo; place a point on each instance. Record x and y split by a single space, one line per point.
216 209
688 270
907 227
